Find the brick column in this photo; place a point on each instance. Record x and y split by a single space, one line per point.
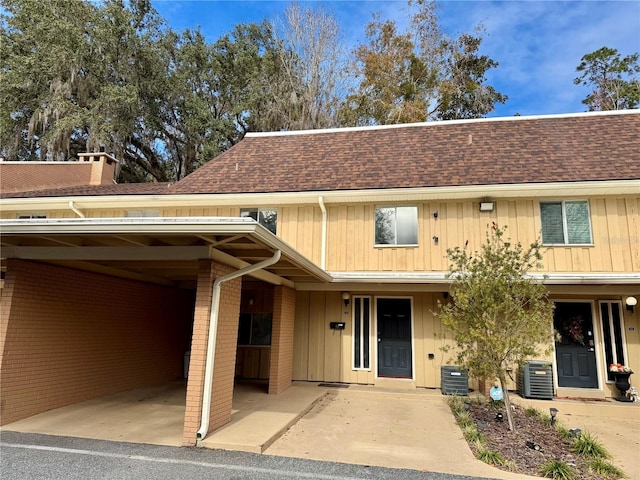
281 369
226 345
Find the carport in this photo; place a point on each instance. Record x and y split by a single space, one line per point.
92 307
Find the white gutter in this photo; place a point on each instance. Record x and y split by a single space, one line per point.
323 243
75 209
469 192
213 330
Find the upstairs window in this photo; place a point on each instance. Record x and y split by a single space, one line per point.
267 217
142 213
396 226
565 223
31 215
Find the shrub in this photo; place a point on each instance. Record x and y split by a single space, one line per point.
532 412
557 469
588 446
471 434
464 419
490 457
605 468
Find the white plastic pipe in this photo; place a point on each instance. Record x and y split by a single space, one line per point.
323 240
75 209
213 330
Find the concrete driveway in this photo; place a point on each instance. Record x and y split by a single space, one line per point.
361 425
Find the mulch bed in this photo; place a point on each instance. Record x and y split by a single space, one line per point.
513 445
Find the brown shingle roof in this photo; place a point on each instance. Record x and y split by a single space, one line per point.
582 147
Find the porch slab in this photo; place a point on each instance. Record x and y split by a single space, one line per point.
259 419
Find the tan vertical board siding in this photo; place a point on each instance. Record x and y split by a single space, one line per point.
333 354
317 318
633 229
301 337
70 336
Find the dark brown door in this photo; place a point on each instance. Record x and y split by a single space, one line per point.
394 337
575 347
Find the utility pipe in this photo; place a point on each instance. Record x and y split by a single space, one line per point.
213 330
323 241
75 209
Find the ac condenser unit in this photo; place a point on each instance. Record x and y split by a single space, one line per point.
535 380
454 381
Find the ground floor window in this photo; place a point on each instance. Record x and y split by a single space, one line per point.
361 333
613 334
255 329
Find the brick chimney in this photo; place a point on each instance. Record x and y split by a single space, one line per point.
103 167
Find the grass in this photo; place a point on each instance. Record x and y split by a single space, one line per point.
557 469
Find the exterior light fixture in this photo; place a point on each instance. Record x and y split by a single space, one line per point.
486 206
499 417
553 412
631 302
575 432
345 298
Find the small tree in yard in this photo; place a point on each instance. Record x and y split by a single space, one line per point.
497 315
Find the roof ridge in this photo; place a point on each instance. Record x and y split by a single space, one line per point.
443 123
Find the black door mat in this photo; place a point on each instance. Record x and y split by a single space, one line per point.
334 385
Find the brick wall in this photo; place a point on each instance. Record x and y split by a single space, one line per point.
225 356
69 336
284 310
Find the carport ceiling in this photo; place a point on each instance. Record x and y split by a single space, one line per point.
159 250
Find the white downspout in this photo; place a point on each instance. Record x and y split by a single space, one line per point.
323 241
75 209
213 330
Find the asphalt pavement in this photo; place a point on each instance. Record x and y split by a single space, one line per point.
35 456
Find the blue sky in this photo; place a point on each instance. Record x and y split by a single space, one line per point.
538 44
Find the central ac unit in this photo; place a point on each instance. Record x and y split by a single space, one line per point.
455 381
535 380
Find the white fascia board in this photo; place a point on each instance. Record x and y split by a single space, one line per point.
465 192
162 225
443 278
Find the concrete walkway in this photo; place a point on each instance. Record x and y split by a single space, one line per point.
362 425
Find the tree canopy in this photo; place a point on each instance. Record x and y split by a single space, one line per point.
613 79
498 316
419 74
80 76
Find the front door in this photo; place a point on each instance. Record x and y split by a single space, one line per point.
575 347
394 337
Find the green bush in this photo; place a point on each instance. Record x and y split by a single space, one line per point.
605 468
557 469
532 412
471 434
588 446
490 457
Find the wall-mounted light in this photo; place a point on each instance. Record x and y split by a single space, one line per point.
345 298
486 206
435 214
435 239
631 302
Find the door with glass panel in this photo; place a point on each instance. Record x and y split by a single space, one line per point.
575 345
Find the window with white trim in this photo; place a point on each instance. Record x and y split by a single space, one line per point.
396 225
613 334
361 333
267 217
565 223
141 213
31 215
